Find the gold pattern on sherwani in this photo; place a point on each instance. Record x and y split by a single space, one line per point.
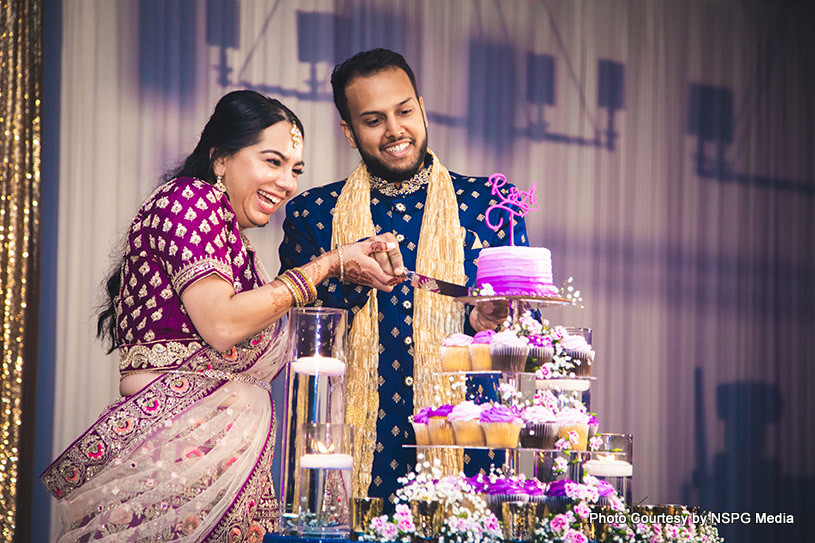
440 254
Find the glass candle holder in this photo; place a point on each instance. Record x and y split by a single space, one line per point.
613 462
324 485
428 518
518 521
315 389
363 510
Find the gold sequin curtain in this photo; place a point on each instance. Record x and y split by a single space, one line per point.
21 72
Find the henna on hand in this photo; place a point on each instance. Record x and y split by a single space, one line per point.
355 274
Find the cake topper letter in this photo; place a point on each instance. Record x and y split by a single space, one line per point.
517 203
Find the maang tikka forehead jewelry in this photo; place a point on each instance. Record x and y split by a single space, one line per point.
296 136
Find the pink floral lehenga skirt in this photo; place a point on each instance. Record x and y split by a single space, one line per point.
187 458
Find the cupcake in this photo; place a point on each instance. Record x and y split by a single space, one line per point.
536 491
466 428
541 351
508 351
441 431
573 426
577 348
455 353
557 499
480 359
540 427
420 426
504 490
502 426
594 425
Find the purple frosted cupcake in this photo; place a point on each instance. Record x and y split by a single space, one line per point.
504 490
502 426
508 351
541 351
420 426
441 431
557 501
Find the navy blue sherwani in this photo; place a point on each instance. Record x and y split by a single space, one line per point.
307 231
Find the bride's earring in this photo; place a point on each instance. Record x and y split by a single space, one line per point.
219 183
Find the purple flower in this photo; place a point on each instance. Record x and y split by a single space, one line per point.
538 340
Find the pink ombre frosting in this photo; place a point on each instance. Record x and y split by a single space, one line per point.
458 340
499 413
465 411
572 416
484 336
507 338
521 271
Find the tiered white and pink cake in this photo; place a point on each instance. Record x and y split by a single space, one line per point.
516 271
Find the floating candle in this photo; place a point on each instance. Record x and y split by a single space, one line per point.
326 461
609 467
324 365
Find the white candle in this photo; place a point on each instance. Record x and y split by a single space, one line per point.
609 468
563 383
326 461
324 365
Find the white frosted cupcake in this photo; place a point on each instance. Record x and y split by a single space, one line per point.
540 427
480 358
455 353
466 428
577 348
508 351
573 426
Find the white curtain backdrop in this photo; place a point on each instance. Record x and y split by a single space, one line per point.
671 143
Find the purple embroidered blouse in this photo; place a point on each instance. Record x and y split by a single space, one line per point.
185 231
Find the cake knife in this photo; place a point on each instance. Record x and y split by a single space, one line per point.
444 288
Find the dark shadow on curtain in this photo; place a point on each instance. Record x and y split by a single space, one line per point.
327 39
167 40
493 76
711 120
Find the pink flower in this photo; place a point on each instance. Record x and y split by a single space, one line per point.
582 510
406 526
390 532
562 444
574 536
559 524
574 437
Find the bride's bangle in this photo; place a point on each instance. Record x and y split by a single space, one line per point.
342 264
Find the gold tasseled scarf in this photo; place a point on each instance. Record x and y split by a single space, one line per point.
440 254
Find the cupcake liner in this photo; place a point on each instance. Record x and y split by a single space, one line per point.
539 435
556 505
455 358
494 501
480 358
468 433
582 360
511 359
422 432
502 435
441 431
541 355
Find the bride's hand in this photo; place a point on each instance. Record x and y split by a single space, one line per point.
374 262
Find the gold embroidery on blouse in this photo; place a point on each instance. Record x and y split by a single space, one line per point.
159 355
185 274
